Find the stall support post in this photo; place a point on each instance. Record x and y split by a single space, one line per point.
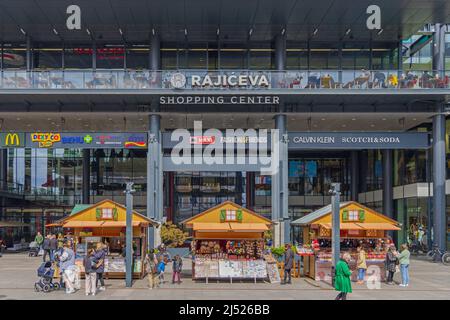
336 228
129 236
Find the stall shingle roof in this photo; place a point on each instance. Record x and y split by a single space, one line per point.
317 214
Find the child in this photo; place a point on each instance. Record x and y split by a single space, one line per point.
90 272
177 267
161 268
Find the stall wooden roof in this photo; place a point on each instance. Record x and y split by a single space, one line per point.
210 220
373 220
84 216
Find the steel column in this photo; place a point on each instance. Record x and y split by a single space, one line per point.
86 183
388 192
154 176
354 175
280 52
129 235
439 173
155 52
335 225
439 48
280 191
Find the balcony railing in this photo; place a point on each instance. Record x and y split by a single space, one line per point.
226 80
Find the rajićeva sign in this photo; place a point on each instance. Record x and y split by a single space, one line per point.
358 140
76 140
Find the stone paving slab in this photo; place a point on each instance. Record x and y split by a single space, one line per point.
428 281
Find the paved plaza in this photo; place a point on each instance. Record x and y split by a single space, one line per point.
428 281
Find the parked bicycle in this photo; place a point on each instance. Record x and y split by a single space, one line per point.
436 252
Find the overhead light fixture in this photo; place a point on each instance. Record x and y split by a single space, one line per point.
120 31
250 31
23 31
88 32
55 32
283 31
348 31
380 32
315 31
185 31
218 31
153 31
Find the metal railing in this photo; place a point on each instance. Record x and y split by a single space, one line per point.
226 79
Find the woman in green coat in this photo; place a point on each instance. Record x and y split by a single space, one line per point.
342 279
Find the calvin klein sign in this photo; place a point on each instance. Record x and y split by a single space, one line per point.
358 140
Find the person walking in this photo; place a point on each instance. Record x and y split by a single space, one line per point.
53 246
151 263
403 259
176 269
288 263
67 266
60 241
2 247
90 273
100 255
391 263
39 239
342 281
361 264
46 248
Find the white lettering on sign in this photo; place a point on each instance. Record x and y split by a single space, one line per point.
373 22
370 139
219 99
323 140
257 80
73 22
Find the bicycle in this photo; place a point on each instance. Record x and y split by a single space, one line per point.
444 255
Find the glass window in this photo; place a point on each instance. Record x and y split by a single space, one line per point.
169 59
110 57
138 58
233 58
230 215
47 58
14 56
107 213
297 59
78 57
261 58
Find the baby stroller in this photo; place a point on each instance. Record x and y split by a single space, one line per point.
45 283
34 249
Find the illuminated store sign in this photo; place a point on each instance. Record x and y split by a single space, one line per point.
45 140
179 80
12 140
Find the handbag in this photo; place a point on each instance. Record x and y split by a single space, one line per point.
397 269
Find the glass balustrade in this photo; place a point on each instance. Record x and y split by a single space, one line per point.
292 80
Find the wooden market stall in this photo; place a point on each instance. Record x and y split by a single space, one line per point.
359 226
228 242
105 222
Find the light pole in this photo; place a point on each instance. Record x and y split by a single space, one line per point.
129 236
335 192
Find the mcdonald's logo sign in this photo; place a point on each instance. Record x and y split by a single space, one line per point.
12 140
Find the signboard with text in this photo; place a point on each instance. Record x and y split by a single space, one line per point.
358 140
74 140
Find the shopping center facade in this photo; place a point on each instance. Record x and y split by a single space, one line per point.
84 111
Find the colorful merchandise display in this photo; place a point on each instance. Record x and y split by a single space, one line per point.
360 226
105 222
228 243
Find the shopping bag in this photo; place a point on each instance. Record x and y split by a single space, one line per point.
41 252
397 269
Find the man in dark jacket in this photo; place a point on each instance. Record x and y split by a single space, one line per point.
53 246
46 248
99 256
288 263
